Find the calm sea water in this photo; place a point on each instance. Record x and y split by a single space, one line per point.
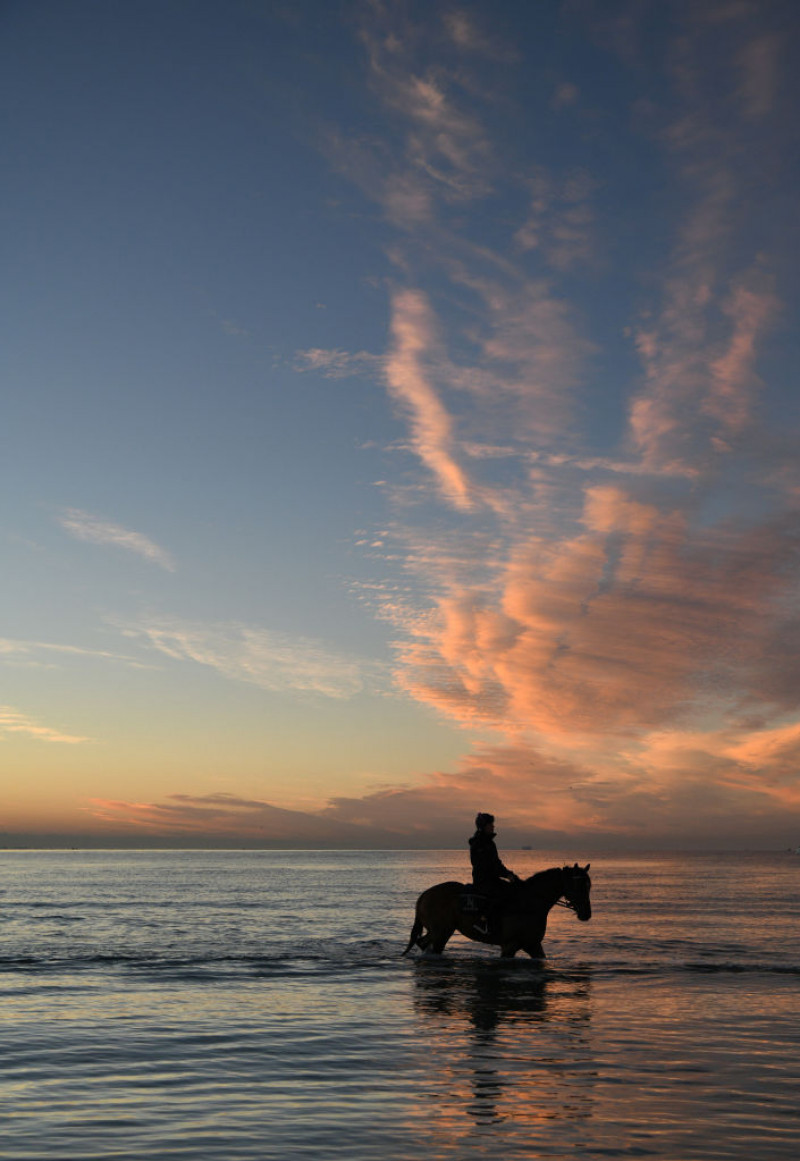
226 1005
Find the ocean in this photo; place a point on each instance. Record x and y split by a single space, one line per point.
232 1005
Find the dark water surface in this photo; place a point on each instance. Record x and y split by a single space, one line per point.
227 1005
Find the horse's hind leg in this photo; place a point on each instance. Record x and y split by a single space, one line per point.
417 938
414 937
437 940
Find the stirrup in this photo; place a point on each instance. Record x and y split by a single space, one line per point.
484 930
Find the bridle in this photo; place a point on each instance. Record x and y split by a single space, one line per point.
570 906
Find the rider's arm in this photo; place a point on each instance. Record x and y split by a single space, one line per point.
502 870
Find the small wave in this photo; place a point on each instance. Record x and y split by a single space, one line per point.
60 917
668 970
373 956
206 966
743 968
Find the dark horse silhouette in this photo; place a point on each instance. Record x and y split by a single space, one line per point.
440 911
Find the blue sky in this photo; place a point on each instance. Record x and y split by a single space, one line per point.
400 420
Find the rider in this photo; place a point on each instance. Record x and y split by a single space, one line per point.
489 876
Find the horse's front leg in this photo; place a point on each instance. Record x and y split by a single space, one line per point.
535 951
513 937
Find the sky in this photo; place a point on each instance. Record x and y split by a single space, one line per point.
400 420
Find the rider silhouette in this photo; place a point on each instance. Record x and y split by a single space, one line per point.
489 875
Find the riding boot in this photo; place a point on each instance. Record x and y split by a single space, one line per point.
482 925
489 925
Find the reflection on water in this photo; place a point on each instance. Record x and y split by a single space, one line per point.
585 1063
245 1006
488 993
488 1031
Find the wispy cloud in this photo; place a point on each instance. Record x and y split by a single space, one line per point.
14 649
699 347
561 221
409 375
84 526
231 327
14 721
471 33
273 661
701 383
495 354
760 60
566 96
445 147
751 309
439 154
338 364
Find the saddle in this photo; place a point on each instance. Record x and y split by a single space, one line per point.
481 909
480 912
472 902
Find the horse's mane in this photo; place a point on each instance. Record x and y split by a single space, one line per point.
543 878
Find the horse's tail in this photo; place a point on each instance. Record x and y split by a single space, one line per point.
416 932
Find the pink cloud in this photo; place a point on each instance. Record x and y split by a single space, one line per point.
674 790
15 722
337 364
560 223
733 380
700 385
635 620
446 147
760 75
773 756
228 816
408 374
537 353
699 348
565 96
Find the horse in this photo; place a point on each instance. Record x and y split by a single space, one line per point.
439 912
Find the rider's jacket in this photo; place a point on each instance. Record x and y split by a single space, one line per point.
487 869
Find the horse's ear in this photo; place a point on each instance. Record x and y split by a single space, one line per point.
588 865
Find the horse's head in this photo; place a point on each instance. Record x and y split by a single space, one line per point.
576 888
